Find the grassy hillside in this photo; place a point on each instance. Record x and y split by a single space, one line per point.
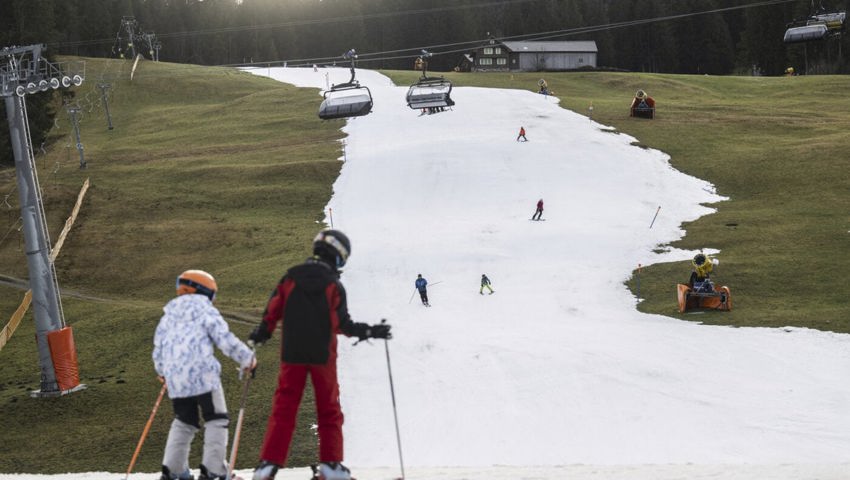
205 168
215 169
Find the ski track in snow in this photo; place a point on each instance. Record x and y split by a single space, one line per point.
556 374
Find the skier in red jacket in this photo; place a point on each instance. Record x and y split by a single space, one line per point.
539 212
521 135
310 303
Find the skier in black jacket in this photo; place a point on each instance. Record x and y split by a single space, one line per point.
310 303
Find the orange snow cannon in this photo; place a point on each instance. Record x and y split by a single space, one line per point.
704 296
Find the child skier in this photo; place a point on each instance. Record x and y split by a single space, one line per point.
421 285
485 283
183 356
310 303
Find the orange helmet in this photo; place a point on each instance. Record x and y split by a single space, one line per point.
196 281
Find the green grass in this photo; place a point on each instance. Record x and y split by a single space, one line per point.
220 170
206 168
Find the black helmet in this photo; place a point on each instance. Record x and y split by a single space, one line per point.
699 259
332 246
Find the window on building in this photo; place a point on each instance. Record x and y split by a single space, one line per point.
501 61
497 50
580 59
488 50
486 61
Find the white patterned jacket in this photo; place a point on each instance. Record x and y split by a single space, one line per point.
183 346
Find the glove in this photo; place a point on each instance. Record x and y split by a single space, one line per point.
259 335
252 368
715 261
379 331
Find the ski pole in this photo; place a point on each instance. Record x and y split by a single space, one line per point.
395 413
412 294
146 430
238 432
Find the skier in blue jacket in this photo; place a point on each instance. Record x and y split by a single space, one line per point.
421 285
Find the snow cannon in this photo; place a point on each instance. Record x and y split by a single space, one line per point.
703 295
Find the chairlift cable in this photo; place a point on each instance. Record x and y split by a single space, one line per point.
297 23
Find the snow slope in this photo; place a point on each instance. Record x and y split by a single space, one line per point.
556 368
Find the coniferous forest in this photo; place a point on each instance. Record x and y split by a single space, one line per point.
716 37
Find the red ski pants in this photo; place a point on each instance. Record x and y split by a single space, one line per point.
287 397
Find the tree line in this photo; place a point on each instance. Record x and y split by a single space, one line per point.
631 35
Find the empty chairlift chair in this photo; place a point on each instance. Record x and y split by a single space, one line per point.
806 33
348 99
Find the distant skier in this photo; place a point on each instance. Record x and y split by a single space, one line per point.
422 286
703 265
485 283
310 303
183 355
521 135
539 212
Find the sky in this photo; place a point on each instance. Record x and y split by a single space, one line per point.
556 374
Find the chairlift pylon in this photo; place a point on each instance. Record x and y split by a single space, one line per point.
429 92
348 99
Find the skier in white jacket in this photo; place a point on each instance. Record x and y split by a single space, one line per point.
183 356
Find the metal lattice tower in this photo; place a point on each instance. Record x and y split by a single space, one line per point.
130 27
23 71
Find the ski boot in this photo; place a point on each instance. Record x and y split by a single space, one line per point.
206 475
167 475
265 471
330 471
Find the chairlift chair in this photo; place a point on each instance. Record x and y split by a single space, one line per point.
806 33
818 26
429 92
833 21
348 99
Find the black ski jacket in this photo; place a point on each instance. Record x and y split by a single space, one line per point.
310 303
